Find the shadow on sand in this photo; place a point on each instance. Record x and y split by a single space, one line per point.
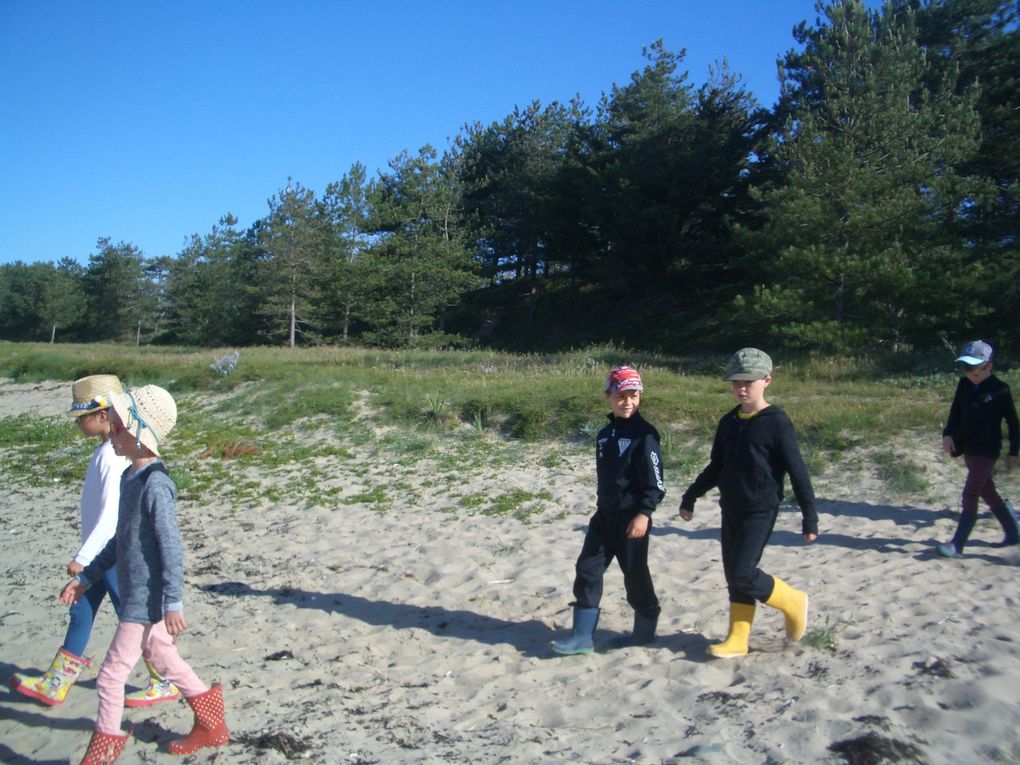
530 637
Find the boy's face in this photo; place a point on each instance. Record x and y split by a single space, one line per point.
977 373
750 393
94 423
624 403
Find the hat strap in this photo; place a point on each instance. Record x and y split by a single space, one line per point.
137 417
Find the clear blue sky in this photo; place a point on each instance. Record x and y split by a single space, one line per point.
147 121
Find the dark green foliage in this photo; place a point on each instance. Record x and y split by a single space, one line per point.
863 228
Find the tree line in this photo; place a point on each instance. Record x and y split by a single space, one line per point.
874 207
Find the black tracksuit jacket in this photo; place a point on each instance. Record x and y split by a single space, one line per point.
747 463
629 466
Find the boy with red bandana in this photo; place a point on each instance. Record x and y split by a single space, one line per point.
630 485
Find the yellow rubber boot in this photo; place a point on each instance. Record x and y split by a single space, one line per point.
51 689
159 689
794 605
741 616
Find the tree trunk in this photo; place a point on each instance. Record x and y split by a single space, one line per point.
293 319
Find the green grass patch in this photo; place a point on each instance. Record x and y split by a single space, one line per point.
900 473
462 410
825 638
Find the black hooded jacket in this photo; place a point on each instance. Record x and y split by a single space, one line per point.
748 461
976 415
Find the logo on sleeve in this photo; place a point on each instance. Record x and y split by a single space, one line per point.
659 483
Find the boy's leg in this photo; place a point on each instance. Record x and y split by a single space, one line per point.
1003 513
590 568
124 652
637 579
979 473
744 544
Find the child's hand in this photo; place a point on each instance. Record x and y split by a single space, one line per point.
809 538
72 592
74 568
638 526
175 624
948 444
686 514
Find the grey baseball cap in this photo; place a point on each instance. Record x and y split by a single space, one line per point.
977 352
748 364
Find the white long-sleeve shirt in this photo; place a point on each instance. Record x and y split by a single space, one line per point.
100 498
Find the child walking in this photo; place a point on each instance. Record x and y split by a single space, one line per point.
100 496
974 429
630 486
147 551
755 446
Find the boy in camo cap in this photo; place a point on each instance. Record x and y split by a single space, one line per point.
755 446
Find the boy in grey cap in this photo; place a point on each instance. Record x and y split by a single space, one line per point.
755 446
974 430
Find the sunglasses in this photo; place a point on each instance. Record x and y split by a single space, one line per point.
971 367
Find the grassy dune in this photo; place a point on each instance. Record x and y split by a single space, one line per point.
461 409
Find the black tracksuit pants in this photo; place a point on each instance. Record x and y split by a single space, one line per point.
743 541
607 539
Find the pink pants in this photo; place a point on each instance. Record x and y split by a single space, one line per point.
129 643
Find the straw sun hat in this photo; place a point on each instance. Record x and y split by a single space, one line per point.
148 413
92 393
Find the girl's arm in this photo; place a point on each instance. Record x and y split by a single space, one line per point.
111 468
102 563
159 502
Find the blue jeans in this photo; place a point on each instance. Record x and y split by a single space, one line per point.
83 613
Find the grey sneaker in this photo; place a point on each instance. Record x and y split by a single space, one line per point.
948 550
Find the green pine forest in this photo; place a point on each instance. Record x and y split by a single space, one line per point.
875 207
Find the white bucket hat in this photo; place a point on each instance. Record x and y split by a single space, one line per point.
148 412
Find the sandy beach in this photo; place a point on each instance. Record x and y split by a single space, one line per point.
419 634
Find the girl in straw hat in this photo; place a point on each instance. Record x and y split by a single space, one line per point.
100 497
150 572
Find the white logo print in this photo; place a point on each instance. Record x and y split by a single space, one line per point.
624 443
658 474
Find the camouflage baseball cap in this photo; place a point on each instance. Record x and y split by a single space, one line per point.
748 364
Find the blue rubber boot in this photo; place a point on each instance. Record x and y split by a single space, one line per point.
954 547
643 633
582 638
1006 517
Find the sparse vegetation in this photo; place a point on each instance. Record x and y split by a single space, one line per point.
824 638
460 410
